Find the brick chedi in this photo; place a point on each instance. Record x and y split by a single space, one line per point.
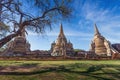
100 45
61 47
19 46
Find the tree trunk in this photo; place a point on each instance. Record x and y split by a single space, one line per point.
6 39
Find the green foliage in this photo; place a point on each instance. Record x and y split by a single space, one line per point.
3 29
78 50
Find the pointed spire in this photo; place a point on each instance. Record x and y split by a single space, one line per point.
96 30
61 34
61 29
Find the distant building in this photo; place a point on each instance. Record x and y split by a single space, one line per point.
40 53
61 47
116 46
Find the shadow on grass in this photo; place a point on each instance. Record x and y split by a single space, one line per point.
29 65
64 69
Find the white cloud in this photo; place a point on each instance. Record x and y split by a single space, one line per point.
108 23
89 13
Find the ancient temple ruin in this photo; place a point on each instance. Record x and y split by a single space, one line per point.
61 47
100 45
19 46
100 48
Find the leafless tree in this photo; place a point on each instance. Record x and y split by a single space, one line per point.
36 15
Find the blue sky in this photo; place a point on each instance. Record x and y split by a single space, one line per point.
80 30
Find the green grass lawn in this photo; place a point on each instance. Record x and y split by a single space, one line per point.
60 70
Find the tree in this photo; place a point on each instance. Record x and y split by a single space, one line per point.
36 15
3 29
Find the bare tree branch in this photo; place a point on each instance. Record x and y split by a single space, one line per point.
23 19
